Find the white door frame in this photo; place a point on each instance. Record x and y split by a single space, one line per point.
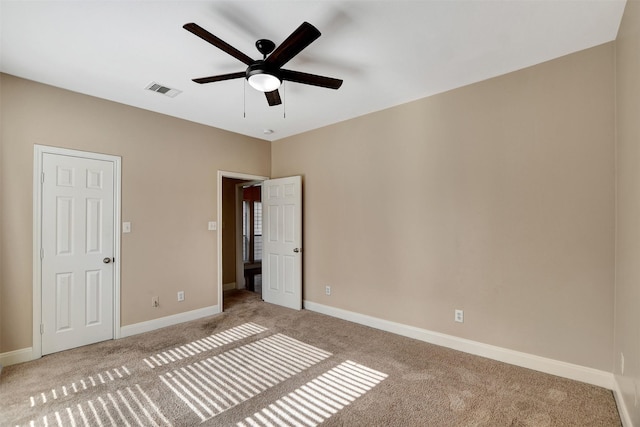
38 152
221 175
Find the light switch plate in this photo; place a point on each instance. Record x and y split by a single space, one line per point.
213 226
126 227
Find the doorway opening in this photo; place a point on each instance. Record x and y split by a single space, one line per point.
240 235
282 245
251 236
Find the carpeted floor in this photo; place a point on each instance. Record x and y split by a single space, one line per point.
258 364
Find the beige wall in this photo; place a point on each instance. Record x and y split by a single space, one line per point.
169 173
627 315
496 198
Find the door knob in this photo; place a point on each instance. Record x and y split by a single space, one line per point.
296 250
106 260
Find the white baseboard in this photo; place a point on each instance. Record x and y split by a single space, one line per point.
26 354
525 360
151 325
16 356
228 286
623 410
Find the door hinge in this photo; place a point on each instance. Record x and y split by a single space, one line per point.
41 328
42 178
41 253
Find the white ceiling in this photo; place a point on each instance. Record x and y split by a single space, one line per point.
387 52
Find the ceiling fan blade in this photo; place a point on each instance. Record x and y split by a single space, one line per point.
310 79
273 98
217 42
293 45
220 78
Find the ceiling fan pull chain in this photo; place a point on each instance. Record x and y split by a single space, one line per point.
284 101
244 99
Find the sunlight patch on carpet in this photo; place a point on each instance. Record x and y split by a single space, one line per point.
216 384
79 386
126 407
319 399
205 344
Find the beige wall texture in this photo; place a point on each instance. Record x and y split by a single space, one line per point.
496 198
169 173
627 315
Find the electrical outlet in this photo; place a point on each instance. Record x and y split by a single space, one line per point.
459 316
621 363
327 290
180 295
155 302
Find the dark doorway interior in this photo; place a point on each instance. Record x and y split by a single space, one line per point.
252 237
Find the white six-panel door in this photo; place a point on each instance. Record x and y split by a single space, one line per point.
77 251
282 241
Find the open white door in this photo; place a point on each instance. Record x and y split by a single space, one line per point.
282 241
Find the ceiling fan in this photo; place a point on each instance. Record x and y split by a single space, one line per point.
267 74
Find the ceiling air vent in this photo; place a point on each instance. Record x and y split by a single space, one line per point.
156 87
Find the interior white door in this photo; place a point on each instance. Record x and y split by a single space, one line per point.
77 251
282 241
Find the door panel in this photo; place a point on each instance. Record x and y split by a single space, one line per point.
94 226
93 292
64 221
78 197
289 272
282 273
273 216
63 301
290 222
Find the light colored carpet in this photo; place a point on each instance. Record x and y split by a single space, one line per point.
258 364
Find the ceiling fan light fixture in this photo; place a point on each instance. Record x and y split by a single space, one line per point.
264 82
261 77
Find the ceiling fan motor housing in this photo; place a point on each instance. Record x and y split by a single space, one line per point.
265 76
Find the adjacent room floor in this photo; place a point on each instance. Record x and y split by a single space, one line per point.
259 364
